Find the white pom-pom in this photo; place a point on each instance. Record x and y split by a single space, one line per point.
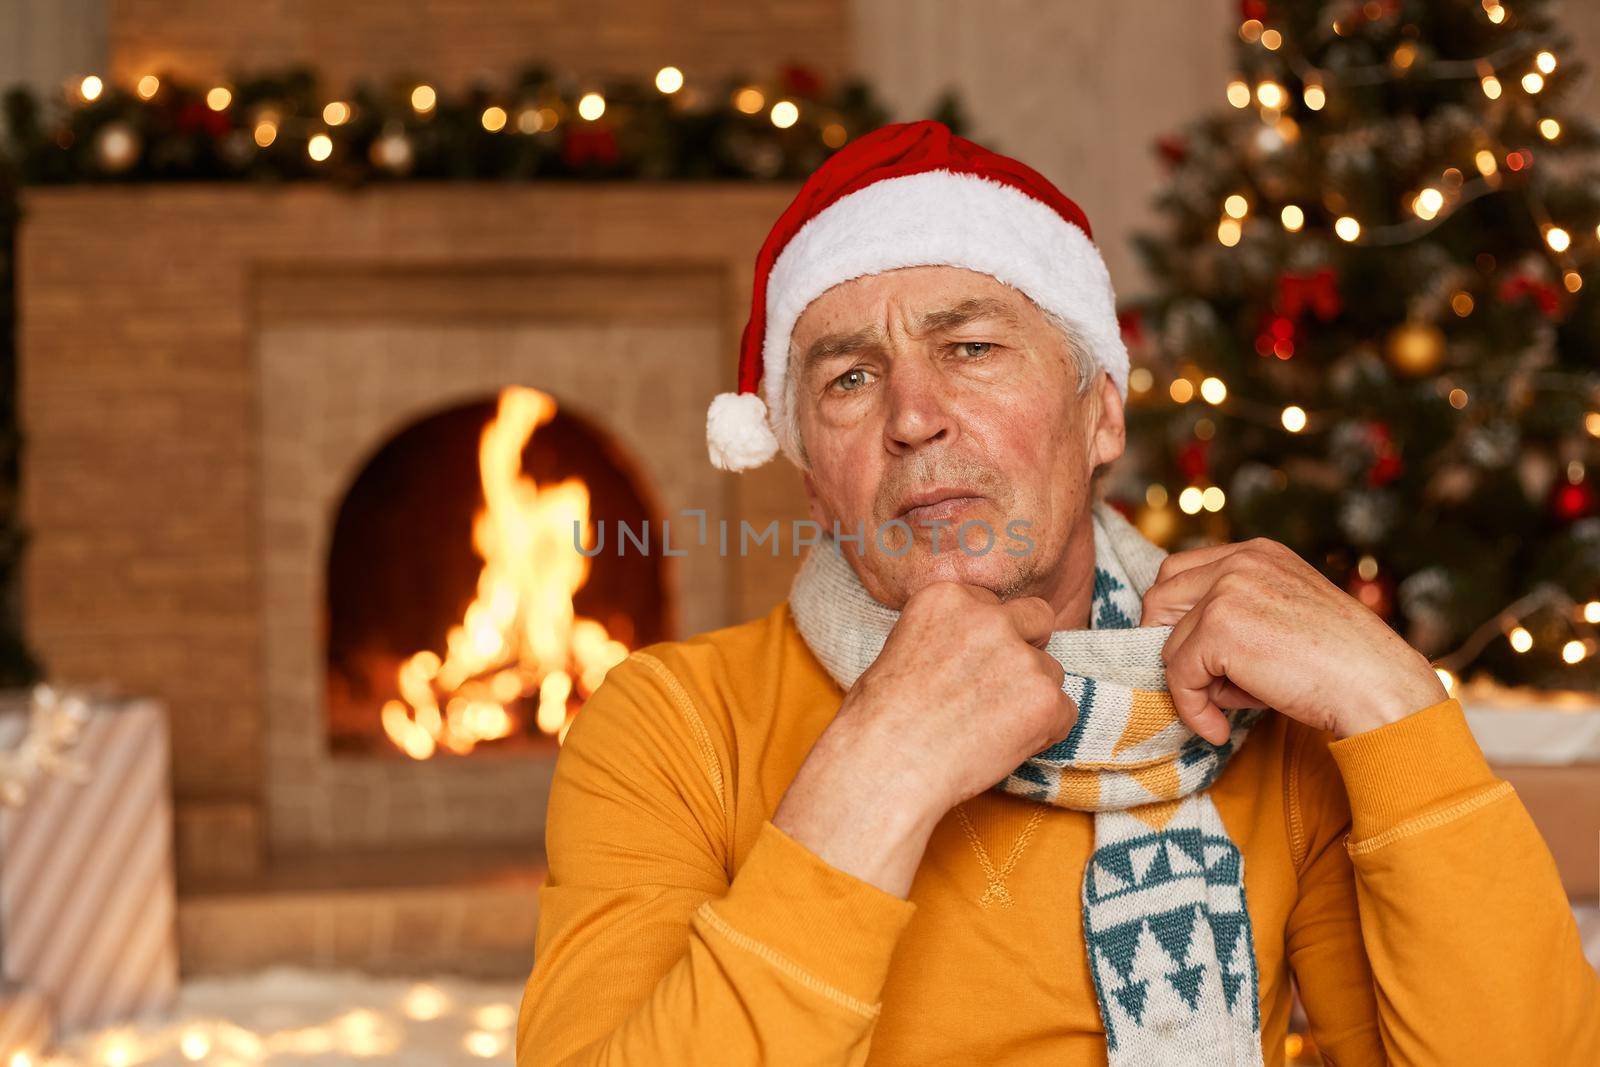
737 434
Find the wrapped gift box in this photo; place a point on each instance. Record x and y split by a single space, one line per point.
1547 745
86 885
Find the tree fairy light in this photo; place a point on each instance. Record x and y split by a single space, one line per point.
336 113
219 98
785 113
1532 81
1521 640
148 86
1558 239
320 147
1236 206
1238 93
1427 203
1294 418
591 106
1315 96
1347 228
1491 86
1591 612
750 100
1213 390
423 99
669 80
1574 651
493 118
1545 61
1269 94
1549 129
1191 500
1229 231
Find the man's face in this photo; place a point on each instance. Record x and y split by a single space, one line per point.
939 396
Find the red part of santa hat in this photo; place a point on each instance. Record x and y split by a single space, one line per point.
910 194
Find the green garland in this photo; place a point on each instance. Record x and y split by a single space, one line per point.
262 129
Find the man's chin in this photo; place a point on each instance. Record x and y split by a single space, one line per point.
1005 576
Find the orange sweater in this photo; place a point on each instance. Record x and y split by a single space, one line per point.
1401 883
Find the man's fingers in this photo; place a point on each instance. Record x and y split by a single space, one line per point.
1033 618
1192 669
1170 598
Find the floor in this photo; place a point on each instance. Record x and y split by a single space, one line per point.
286 1015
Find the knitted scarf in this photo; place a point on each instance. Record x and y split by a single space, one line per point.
1164 917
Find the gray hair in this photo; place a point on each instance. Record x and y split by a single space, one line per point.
1078 354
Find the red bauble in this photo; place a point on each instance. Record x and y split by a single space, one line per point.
1376 593
1574 500
1315 291
1173 148
1253 9
1193 460
1542 294
1386 464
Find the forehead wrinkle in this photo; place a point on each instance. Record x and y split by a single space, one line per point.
978 307
833 345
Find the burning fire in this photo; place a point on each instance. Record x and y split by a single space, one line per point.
520 635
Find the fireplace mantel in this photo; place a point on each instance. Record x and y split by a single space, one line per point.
161 329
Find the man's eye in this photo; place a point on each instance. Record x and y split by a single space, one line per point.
979 348
851 379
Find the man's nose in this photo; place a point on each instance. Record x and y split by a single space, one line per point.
919 412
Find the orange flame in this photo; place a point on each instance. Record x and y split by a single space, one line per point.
520 635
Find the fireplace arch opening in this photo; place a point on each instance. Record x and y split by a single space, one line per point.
460 615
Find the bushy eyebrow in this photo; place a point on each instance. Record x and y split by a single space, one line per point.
834 345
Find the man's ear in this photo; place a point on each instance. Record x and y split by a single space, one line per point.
1109 434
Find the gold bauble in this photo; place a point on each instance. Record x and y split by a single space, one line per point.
1157 524
1415 348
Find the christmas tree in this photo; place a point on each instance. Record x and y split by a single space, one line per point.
1373 331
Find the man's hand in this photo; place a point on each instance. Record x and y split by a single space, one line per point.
1254 625
962 694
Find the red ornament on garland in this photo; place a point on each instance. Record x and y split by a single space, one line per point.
198 117
583 146
798 80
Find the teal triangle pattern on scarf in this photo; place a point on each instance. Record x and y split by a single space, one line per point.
1166 926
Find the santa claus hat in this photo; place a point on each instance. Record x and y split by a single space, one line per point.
911 194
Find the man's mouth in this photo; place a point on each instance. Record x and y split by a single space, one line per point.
940 504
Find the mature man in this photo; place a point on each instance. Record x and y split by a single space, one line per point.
1027 804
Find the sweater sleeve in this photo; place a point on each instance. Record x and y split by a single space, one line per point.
1471 949
650 948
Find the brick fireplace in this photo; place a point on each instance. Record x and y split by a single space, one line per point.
206 371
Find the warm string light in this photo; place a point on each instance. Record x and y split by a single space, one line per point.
1509 623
